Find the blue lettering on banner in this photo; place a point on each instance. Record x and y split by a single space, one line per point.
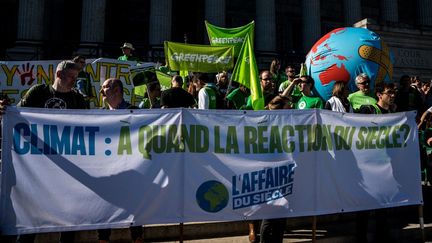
71 140
262 186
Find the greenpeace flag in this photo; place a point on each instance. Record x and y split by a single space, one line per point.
219 36
198 58
246 73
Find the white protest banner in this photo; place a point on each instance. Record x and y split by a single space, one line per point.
16 77
89 169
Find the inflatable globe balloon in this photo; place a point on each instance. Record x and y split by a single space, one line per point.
344 53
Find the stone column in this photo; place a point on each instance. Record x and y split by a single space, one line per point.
352 10
92 28
215 11
30 20
311 23
389 10
93 21
424 12
265 32
30 31
160 21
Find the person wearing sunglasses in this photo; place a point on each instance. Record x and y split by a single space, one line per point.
364 95
291 75
386 93
307 100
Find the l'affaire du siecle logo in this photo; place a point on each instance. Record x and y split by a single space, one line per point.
248 189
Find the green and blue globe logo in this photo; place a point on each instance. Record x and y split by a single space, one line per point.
212 196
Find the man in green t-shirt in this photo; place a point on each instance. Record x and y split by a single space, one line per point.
237 99
364 96
127 49
290 72
306 100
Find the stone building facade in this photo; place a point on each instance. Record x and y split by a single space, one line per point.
56 29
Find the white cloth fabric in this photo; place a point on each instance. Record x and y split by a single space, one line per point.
336 105
203 99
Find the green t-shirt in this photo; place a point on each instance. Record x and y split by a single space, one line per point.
295 92
308 102
44 96
128 58
212 95
357 99
238 98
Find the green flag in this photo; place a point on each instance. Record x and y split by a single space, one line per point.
164 80
198 58
246 73
219 36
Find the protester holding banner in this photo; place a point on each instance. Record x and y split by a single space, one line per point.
127 49
176 96
112 95
386 93
59 95
272 230
364 96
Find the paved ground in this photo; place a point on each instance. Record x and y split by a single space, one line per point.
403 224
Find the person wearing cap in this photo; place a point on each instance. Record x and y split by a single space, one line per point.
364 95
127 49
306 100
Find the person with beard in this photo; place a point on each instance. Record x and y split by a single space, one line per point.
364 95
59 95
112 95
267 87
386 94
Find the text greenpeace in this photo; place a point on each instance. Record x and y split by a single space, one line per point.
227 40
141 167
262 186
191 57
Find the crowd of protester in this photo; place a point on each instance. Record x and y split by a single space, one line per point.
281 90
